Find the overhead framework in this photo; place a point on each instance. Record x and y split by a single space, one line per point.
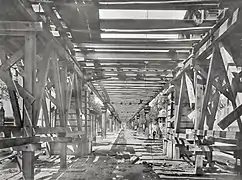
124 52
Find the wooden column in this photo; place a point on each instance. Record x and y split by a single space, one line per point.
77 96
85 121
104 118
94 132
111 123
198 109
63 120
179 105
114 123
29 85
198 99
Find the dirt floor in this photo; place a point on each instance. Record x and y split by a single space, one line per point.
125 156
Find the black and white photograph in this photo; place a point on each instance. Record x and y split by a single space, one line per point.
120 89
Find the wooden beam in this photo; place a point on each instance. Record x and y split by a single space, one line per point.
29 85
211 76
169 30
212 109
137 56
11 92
135 45
12 60
217 33
230 68
11 142
142 24
216 84
19 28
42 74
158 5
61 70
179 107
45 112
190 90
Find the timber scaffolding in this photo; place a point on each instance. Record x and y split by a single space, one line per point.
66 70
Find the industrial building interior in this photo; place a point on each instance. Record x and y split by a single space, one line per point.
120 89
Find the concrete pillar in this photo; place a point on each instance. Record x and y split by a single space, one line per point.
104 118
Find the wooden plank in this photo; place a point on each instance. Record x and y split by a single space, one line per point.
77 102
10 128
218 33
216 84
198 100
213 106
210 79
170 30
11 142
137 45
63 100
190 90
12 93
231 117
29 85
54 139
42 74
12 60
19 27
137 56
237 99
159 5
179 107
140 24
54 130
45 112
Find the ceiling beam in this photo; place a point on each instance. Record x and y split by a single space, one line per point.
159 5
170 30
148 41
138 45
137 56
145 24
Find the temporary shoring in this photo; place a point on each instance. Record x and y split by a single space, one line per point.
213 71
46 72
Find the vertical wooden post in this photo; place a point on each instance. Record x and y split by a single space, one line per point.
115 124
111 123
29 85
198 110
207 93
179 107
87 120
94 133
63 121
104 117
78 112
198 99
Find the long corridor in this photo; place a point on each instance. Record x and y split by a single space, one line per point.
127 155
